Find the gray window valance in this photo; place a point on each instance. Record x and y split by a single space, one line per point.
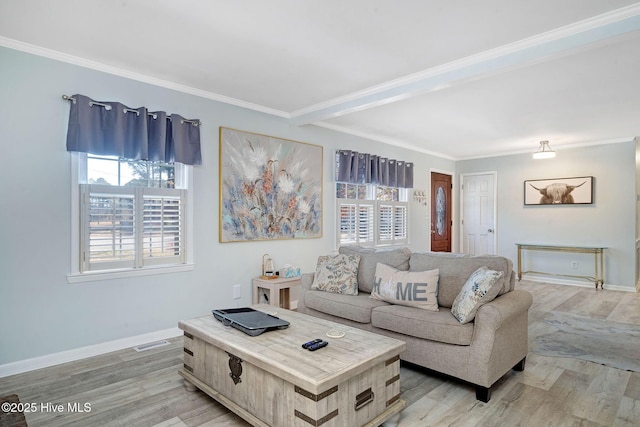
113 129
362 168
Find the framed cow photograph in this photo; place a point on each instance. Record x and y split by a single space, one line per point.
559 191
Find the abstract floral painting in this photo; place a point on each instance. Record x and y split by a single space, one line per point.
270 188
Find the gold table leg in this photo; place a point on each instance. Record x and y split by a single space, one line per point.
519 263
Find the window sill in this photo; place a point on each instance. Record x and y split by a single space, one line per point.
93 276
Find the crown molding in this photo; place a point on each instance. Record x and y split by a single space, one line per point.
556 148
390 141
403 144
121 72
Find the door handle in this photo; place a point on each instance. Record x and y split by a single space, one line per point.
490 230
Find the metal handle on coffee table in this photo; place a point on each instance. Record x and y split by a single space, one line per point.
364 398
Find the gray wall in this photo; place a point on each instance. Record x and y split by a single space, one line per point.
40 312
610 221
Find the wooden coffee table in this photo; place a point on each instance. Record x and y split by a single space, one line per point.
270 380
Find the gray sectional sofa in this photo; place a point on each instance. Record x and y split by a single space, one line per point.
479 352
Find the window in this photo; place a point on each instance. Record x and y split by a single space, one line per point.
371 215
131 215
356 223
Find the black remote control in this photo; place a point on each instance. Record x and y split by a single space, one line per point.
321 344
310 343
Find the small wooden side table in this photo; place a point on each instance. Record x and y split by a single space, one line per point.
279 294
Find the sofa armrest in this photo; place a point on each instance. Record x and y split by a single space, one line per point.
498 312
306 280
500 337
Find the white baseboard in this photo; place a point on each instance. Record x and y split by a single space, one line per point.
582 284
83 352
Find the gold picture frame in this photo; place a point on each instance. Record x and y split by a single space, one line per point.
270 187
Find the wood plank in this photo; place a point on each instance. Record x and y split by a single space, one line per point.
633 387
601 400
628 413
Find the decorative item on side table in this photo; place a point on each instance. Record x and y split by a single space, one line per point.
288 271
268 269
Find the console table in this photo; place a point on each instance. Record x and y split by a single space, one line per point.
597 278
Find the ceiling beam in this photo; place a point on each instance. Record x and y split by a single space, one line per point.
542 47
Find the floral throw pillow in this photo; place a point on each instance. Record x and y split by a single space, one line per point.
337 274
481 287
411 288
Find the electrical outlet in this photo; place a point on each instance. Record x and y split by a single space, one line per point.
574 264
236 291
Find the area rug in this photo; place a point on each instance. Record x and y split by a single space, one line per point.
596 340
9 415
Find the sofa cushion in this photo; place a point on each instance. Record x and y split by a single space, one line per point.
411 288
455 269
369 257
431 325
337 274
481 288
353 307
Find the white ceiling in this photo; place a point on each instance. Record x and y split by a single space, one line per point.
457 78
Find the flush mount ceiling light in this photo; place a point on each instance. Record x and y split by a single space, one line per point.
544 151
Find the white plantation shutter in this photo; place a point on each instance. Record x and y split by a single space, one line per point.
365 224
369 215
392 223
385 223
162 225
108 222
348 222
127 227
356 222
399 222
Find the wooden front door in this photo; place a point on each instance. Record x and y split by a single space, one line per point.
440 212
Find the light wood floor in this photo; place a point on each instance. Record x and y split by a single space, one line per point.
127 388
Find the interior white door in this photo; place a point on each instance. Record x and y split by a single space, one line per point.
478 216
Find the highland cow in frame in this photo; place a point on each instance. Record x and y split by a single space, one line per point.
559 191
